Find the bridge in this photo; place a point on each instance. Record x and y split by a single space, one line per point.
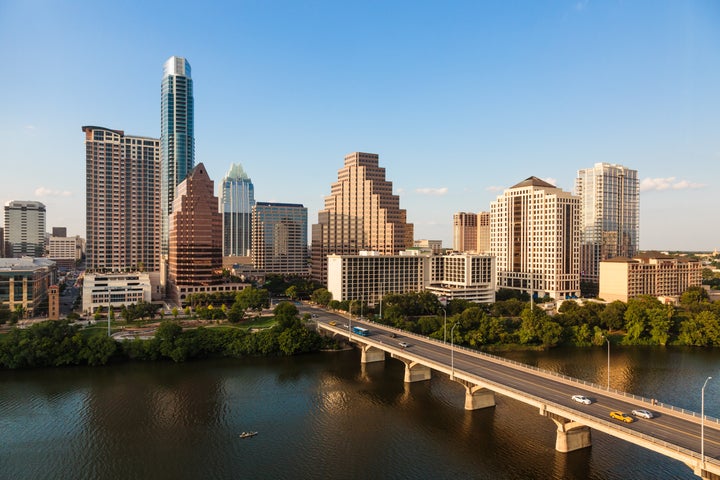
673 432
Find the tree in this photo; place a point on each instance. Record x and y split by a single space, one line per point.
174 312
253 298
286 314
321 296
292 292
613 316
659 320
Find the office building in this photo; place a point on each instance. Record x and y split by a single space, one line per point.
3 253
115 290
464 232
25 229
177 135
122 209
237 198
610 217
59 231
66 252
534 235
24 283
195 256
433 246
483 232
361 213
279 243
467 276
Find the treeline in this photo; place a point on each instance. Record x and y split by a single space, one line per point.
58 343
640 321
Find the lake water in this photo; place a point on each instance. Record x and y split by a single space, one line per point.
322 416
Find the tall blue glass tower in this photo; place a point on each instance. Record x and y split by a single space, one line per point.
177 134
237 198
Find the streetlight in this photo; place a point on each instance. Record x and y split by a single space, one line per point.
702 423
608 367
452 352
444 325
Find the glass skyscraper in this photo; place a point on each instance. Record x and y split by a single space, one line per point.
177 136
237 198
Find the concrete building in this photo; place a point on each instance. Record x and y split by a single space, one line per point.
24 283
195 257
237 198
65 251
3 253
534 235
369 276
122 209
279 243
433 246
115 290
610 217
177 135
361 213
651 273
465 232
59 231
25 229
483 232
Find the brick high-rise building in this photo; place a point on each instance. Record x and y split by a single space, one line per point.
483 232
535 237
464 232
122 201
195 256
361 213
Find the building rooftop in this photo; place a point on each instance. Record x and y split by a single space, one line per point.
24 263
533 182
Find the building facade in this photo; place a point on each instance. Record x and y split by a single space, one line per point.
433 246
115 290
464 232
279 243
610 216
177 135
534 235
237 198
655 274
66 252
24 284
122 195
464 276
483 232
361 213
24 229
195 256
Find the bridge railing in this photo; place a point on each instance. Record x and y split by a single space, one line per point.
640 398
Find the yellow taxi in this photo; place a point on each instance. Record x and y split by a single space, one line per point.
623 417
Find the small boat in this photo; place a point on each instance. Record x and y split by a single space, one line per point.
248 434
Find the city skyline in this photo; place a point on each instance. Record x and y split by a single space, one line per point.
460 101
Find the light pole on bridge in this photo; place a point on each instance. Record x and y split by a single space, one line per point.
608 362
452 352
702 423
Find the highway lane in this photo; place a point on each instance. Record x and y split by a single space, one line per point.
672 427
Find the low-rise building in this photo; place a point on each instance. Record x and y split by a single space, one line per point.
24 283
655 274
115 290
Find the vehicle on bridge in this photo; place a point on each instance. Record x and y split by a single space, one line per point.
403 344
642 413
361 331
582 399
623 417
332 322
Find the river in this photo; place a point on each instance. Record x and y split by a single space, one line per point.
322 416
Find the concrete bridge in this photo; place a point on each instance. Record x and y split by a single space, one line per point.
674 432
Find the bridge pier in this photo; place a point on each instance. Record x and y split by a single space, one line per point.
478 397
415 372
371 354
570 436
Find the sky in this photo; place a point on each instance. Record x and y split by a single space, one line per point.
461 99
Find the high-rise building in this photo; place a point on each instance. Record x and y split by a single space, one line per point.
59 231
237 198
25 229
464 232
122 201
361 213
535 237
177 135
3 253
195 256
483 232
610 217
279 242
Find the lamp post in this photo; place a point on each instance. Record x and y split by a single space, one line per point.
444 325
608 367
452 352
702 423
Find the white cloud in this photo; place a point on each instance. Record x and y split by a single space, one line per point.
669 183
551 180
47 192
432 191
494 188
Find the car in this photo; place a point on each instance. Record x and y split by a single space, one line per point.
403 344
643 413
314 315
393 335
332 322
623 417
582 399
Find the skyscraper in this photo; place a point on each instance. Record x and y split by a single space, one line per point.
195 250
361 213
25 228
279 233
237 198
177 135
534 235
464 232
122 201
483 232
610 217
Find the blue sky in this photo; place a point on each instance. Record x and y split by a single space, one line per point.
459 99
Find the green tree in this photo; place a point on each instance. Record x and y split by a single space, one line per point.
613 316
286 314
321 296
292 292
253 298
659 321
175 312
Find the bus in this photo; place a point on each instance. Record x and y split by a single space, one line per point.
361 331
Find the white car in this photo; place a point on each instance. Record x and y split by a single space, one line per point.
403 344
642 413
582 399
